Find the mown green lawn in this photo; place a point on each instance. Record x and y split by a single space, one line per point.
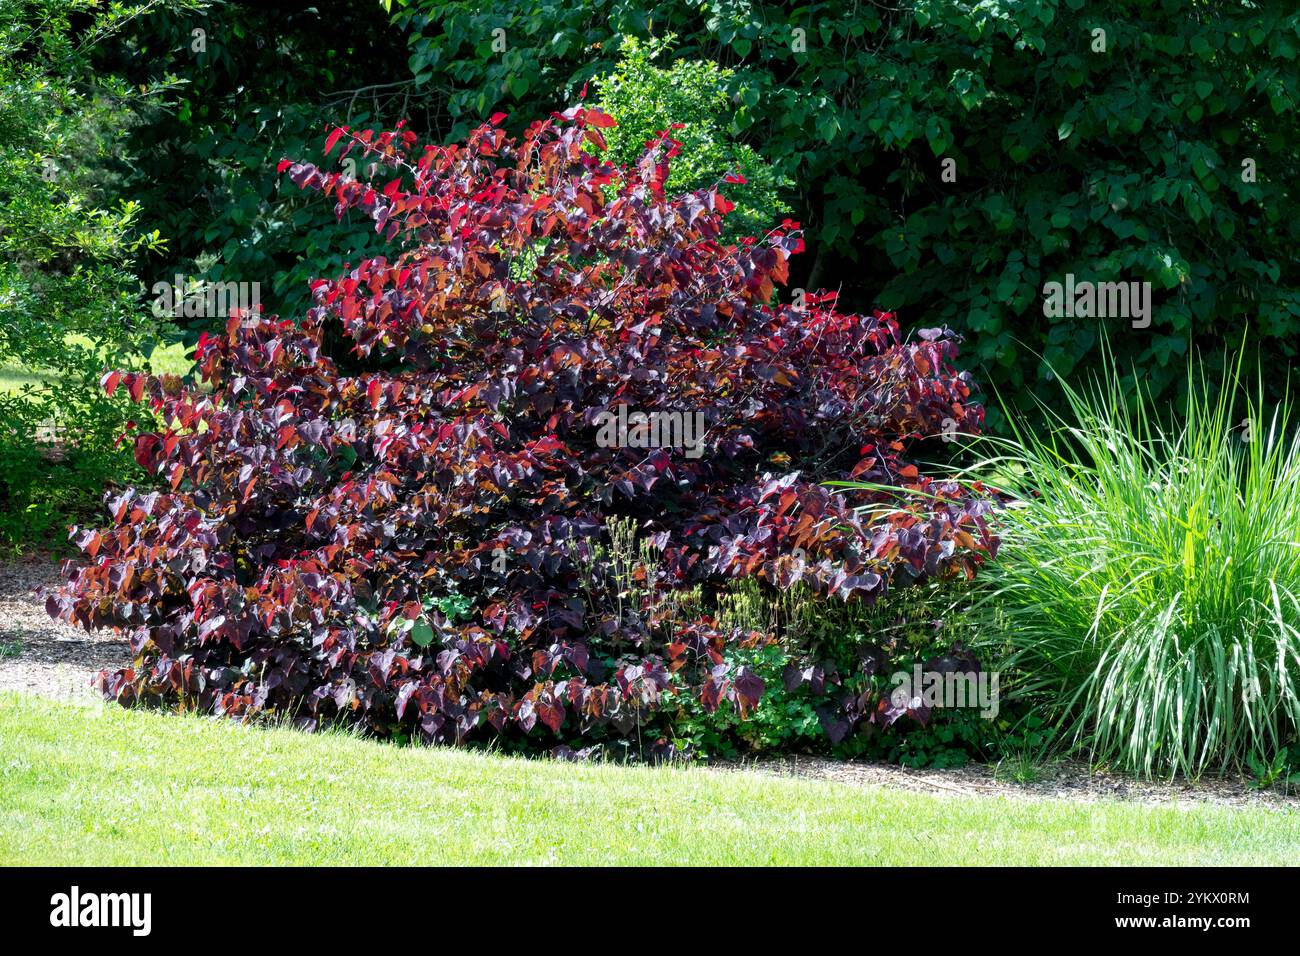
14 376
82 785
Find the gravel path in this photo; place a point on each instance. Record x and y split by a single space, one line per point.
41 656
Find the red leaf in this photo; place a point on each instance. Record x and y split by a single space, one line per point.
552 715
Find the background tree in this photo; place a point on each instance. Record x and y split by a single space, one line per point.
69 302
1141 140
259 81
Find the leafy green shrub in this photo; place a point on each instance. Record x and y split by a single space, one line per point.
695 97
830 675
1148 586
69 303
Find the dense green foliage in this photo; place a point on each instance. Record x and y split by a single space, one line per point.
1110 160
696 98
1149 583
831 666
258 82
69 302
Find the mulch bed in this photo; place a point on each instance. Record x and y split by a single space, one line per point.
40 655
1063 780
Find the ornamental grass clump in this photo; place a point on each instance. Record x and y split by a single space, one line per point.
1148 585
407 508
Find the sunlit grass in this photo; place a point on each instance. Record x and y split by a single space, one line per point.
91 786
13 378
164 359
